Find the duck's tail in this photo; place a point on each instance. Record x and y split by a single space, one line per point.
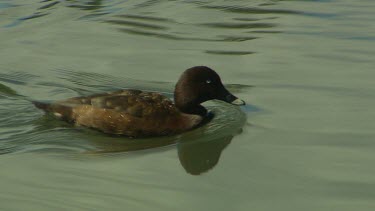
60 111
43 106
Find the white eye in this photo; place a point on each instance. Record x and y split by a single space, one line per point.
208 81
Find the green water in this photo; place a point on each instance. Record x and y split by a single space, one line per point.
304 141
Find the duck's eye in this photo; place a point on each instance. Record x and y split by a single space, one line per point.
208 81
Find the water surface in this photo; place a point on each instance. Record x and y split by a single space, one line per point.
304 141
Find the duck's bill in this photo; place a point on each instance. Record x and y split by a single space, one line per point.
229 98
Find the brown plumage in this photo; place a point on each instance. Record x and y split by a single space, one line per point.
137 113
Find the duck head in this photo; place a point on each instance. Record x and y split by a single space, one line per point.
197 85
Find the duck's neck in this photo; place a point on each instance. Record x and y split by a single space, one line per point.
189 105
193 109
186 99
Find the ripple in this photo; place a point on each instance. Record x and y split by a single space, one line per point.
165 28
233 53
239 25
147 3
91 5
147 18
162 35
266 32
253 19
221 38
153 24
237 38
35 15
136 24
4 5
250 10
19 78
48 5
5 91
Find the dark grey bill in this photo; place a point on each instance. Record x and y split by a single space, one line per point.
226 96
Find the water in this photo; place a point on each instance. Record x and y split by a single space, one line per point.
305 141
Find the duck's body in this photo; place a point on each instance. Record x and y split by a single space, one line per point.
137 113
126 112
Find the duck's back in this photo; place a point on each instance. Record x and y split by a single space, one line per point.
127 112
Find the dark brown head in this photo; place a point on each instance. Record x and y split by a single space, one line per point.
197 85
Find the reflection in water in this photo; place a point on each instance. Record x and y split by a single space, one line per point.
200 156
200 150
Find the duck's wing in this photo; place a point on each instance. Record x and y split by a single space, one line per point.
133 102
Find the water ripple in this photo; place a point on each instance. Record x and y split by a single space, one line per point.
250 10
157 25
48 5
147 18
136 24
239 25
91 5
229 52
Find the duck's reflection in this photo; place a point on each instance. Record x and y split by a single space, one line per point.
196 155
200 156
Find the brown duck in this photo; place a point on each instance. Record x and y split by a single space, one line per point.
137 113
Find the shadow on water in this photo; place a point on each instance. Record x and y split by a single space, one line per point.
25 129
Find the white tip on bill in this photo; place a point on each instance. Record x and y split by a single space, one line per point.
238 102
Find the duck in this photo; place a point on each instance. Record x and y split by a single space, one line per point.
137 113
